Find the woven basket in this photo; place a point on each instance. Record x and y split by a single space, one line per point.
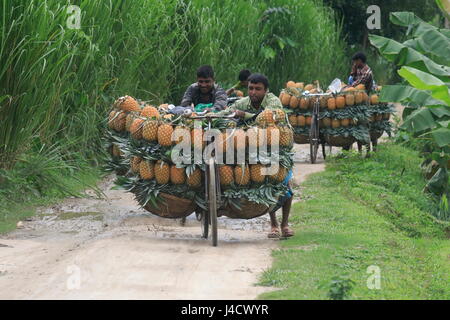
340 141
172 207
249 210
301 139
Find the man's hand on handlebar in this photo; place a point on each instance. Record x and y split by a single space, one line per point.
239 114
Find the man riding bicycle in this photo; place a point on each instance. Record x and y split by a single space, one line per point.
205 93
259 98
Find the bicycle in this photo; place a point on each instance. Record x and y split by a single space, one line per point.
314 132
212 183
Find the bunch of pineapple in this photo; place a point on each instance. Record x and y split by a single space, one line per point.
146 127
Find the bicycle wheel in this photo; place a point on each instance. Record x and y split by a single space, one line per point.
314 138
212 200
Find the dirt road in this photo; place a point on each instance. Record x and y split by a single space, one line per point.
111 249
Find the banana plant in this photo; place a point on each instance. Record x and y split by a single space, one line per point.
424 65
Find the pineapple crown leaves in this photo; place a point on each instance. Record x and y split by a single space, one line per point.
302 130
266 194
359 132
360 112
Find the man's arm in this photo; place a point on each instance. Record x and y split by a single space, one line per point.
239 110
188 97
220 99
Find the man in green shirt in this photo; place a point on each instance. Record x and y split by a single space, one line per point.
259 98
242 83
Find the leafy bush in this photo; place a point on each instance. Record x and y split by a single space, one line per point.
425 67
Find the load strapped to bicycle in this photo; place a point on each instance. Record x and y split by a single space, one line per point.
339 117
207 163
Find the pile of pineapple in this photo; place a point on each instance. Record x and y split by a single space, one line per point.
140 143
344 114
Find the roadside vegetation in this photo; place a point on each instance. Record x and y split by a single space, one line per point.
57 83
361 213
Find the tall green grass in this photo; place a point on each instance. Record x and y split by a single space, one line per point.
57 84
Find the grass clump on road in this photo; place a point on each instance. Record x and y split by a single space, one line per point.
365 221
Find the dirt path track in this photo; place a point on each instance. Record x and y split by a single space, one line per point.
111 249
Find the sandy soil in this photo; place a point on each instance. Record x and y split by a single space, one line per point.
110 248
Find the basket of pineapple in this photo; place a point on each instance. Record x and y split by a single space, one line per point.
380 115
141 144
299 108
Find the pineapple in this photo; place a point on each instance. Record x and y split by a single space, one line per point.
146 170
304 103
308 121
136 128
120 121
286 136
162 172
150 112
255 173
165 135
326 122
177 175
111 119
135 164
127 103
350 99
331 103
242 175
340 102
335 123
301 121
374 99
226 175
265 118
293 120
129 120
293 102
280 115
290 84
345 122
195 179
168 116
285 98
280 175
359 98
150 130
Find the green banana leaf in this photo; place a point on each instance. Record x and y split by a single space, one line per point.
419 121
407 94
403 55
441 136
424 81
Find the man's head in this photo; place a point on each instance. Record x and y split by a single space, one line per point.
258 85
359 60
205 78
243 77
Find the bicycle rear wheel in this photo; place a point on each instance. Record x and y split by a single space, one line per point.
212 200
314 138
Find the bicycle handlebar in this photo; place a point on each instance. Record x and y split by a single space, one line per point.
204 115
